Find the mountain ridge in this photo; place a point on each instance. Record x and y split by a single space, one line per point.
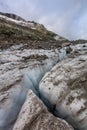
13 16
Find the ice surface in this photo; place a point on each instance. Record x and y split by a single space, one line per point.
18 75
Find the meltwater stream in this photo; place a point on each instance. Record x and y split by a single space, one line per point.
31 72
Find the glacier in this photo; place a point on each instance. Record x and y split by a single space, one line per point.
21 70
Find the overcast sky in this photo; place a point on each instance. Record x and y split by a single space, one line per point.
67 18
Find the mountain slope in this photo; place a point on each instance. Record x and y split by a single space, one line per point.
14 29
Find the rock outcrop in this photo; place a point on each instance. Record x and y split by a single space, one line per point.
35 116
12 16
65 88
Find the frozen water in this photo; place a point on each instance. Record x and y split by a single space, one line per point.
18 75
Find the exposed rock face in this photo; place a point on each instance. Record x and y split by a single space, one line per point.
65 87
13 16
35 116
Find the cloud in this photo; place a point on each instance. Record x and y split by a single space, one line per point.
65 17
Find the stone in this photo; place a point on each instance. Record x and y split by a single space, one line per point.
35 116
66 44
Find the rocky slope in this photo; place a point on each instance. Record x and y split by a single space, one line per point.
16 30
12 16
